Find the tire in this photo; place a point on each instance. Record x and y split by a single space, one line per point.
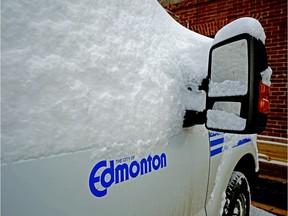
237 200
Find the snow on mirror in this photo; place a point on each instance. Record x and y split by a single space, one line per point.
226 115
230 70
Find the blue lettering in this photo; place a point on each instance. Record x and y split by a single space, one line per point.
144 166
163 160
119 161
125 159
137 167
149 159
93 180
108 171
156 162
121 171
108 176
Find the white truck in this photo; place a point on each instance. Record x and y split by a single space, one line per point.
75 142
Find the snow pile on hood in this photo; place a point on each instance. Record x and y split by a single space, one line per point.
94 74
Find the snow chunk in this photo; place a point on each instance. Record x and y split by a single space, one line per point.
224 120
223 202
243 25
227 88
266 76
194 99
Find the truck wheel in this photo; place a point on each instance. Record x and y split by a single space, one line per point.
237 200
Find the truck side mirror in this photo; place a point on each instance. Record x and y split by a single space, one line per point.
237 100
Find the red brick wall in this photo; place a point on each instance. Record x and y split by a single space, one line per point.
208 16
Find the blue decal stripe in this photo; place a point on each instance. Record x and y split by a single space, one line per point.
216 151
243 141
217 141
213 134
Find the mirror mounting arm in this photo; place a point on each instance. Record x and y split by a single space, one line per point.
204 85
193 117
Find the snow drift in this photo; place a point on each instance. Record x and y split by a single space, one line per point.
94 74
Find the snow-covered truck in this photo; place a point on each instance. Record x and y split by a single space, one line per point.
112 108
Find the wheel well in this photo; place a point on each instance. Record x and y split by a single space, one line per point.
246 165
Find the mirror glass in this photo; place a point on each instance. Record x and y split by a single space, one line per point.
229 70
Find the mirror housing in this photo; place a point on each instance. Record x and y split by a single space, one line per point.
233 107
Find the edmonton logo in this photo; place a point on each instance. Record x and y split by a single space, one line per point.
104 176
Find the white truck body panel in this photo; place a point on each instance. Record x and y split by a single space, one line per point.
60 185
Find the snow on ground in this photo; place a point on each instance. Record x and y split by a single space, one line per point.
259 212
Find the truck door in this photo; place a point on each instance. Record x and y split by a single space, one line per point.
171 180
178 187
